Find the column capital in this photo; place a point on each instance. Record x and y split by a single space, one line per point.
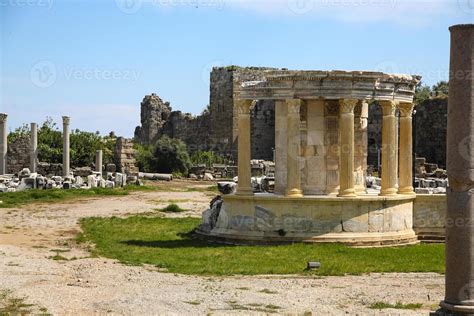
3 117
293 106
66 120
244 106
406 109
389 107
347 105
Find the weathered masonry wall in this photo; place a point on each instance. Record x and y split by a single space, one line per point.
429 213
18 155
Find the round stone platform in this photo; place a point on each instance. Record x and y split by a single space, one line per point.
367 220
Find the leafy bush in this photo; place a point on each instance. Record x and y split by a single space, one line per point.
169 155
207 157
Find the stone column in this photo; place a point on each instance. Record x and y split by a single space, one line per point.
33 147
459 295
3 143
98 161
66 121
346 158
361 113
281 111
406 150
244 149
293 175
389 149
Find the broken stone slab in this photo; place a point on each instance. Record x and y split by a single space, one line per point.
83 171
79 181
207 176
109 184
24 173
227 187
67 185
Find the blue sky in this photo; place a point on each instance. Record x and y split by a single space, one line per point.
95 60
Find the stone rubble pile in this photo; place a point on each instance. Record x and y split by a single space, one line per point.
429 178
26 180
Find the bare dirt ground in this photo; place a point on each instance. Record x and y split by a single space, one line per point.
31 235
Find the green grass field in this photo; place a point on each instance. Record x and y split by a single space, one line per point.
166 243
14 199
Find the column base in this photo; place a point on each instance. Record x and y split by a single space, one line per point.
388 192
407 191
464 309
244 191
347 193
294 193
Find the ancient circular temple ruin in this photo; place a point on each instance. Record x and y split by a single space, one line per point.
321 162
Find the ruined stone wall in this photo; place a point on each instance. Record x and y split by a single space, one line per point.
192 130
263 130
154 113
431 121
125 156
430 124
18 155
225 87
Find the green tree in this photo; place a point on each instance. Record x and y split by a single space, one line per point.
441 89
170 155
422 93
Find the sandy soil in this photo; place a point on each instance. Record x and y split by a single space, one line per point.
30 235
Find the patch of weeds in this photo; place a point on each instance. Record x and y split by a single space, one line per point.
398 305
244 288
58 257
12 264
172 208
60 250
272 307
193 302
39 247
10 305
267 291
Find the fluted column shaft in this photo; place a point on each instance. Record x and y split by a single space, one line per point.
3 143
244 150
293 175
389 148
66 154
346 158
406 150
33 146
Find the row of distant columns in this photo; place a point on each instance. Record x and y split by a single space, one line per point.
34 147
393 169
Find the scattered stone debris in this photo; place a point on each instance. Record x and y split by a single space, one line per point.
211 215
25 180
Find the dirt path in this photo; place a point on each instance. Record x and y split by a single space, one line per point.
30 236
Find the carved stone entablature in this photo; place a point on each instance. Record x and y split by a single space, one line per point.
3 117
361 85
